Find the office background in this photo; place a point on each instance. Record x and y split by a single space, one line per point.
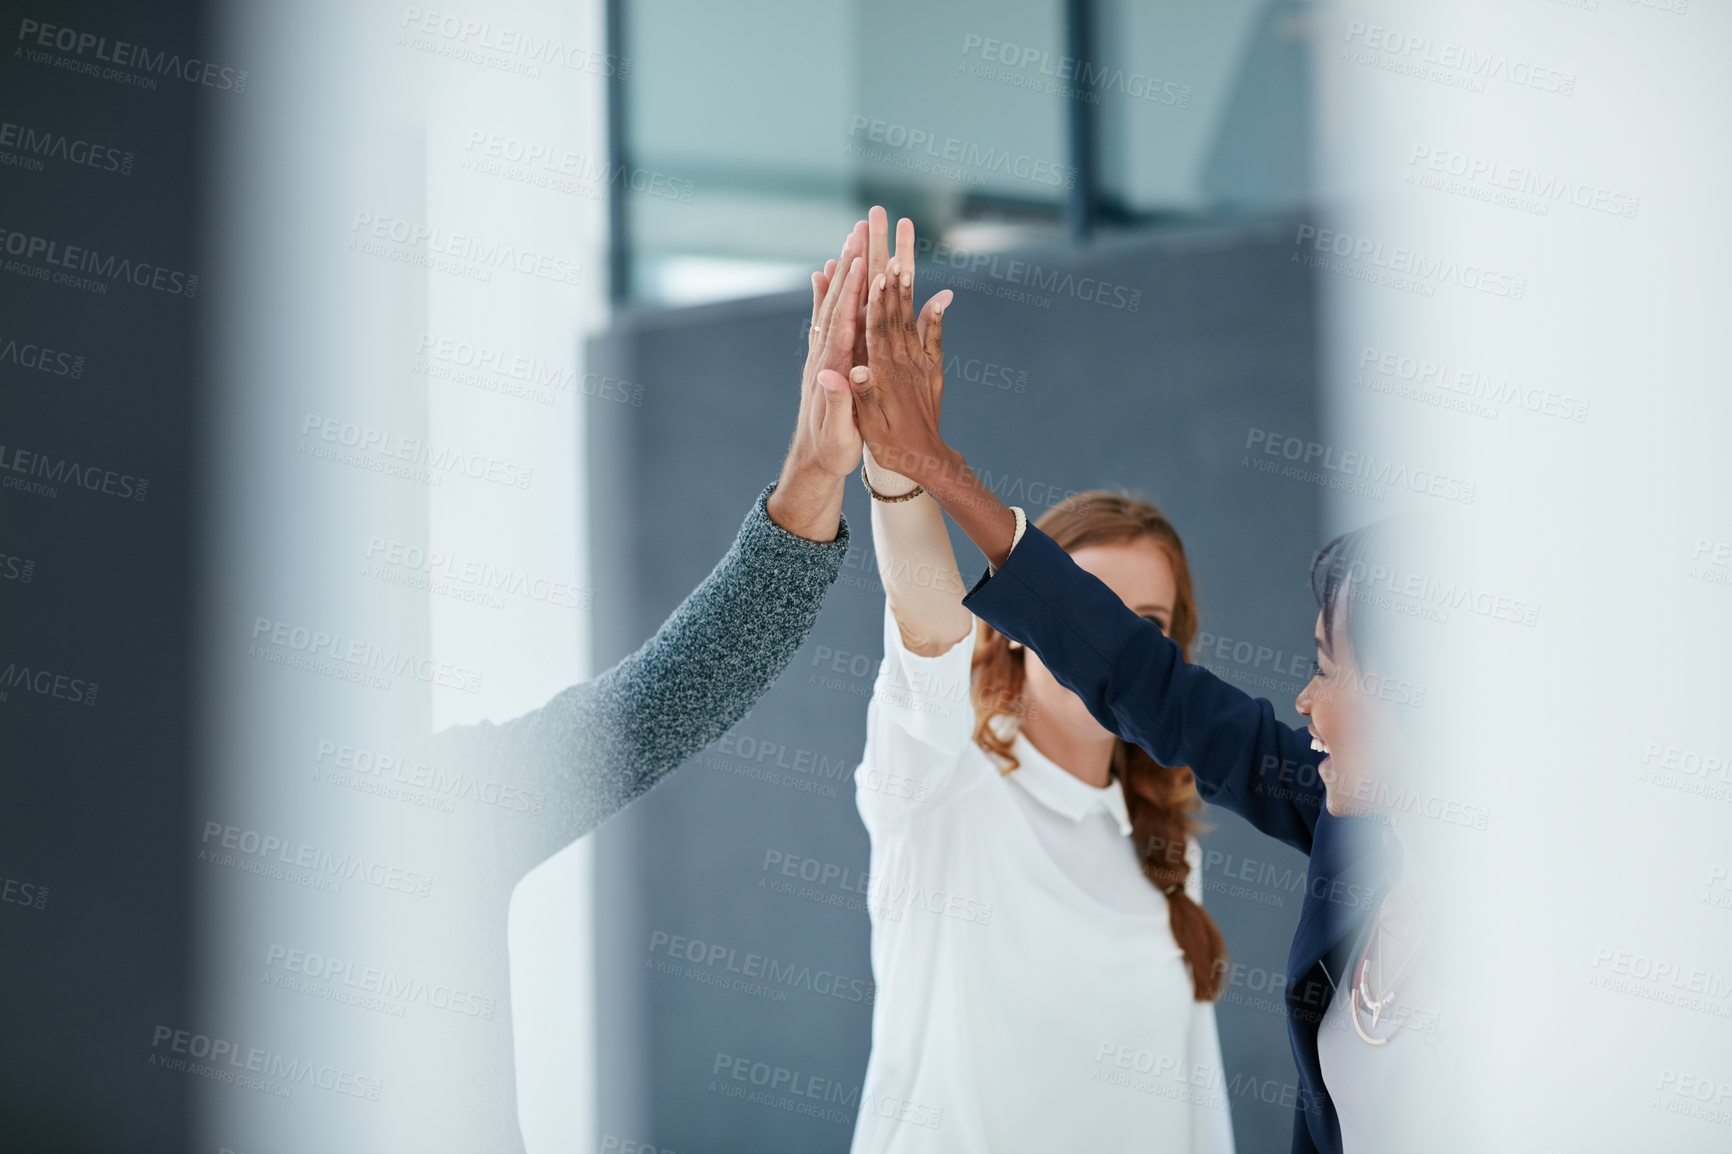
1171 175
710 158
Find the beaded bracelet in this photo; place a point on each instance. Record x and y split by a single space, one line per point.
877 496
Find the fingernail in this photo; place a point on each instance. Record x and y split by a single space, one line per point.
879 283
907 279
859 373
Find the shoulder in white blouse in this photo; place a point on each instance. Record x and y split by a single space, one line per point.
1030 993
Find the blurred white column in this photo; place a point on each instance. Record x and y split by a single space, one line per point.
1524 260
408 248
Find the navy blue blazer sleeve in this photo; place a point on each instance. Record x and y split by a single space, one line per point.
1137 683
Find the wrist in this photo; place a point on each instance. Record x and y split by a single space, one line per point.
923 467
807 501
887 482
944 471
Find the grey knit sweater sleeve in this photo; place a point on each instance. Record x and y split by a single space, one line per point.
597 745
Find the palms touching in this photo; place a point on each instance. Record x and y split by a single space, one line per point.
898 372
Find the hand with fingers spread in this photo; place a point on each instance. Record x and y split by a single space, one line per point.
899 393
904 361
826 444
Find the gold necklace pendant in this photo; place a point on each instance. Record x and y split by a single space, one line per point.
1353 1009
1357 994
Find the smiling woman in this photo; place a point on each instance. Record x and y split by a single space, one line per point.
1112 641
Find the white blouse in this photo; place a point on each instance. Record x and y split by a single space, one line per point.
1030 994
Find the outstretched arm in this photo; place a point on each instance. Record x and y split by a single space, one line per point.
579 759
1129 674
1136 682
921 718
915 560
596 746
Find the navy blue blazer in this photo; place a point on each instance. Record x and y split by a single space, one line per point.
1137 683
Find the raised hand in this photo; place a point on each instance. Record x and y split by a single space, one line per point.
899 391
826 443
885 478
827 413
899 394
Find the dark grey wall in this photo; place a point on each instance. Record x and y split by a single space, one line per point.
96 588
1082 394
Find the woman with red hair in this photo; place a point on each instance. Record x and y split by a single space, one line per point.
1045 969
